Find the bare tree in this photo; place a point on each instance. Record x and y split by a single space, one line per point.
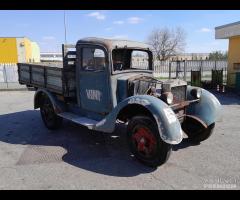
166 42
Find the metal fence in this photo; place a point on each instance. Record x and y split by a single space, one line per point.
8 73
182 69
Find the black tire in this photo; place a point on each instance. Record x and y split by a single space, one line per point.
49 117
198 135
155 153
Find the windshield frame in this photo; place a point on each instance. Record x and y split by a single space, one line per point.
150 61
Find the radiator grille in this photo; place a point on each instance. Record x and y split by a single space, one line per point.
179 93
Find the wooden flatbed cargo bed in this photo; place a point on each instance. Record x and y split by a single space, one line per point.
57 77
41 76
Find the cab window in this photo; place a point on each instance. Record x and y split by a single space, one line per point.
93 59
139 60
130 59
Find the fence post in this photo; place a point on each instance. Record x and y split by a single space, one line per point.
185 71
5 72
201 69
170 70
178 69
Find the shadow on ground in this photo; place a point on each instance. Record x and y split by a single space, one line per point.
94 151
184 144
228 98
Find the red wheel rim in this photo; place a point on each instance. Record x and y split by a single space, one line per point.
145 142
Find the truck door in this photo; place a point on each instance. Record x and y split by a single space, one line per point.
94 79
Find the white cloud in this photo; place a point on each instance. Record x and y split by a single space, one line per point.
119 22
119 37
97 15
134 20
205 30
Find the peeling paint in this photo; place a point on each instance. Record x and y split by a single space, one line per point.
140 101
170 115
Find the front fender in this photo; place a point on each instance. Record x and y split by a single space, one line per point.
208 109
169 126
57 105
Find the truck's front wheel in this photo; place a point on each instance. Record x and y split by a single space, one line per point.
198 135
49 117
145 142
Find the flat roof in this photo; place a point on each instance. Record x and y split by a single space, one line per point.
227 25
112 43
227 30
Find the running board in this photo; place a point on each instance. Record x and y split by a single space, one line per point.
89 123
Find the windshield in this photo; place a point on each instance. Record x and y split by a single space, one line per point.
130 59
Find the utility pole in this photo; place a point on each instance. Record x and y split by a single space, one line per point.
65 28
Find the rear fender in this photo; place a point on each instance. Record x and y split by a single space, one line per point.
169 126
57 105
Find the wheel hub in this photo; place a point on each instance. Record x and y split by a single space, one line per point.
47 111
145 142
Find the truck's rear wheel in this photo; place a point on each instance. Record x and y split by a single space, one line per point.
145 142
49 117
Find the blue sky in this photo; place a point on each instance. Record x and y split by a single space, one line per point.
47 27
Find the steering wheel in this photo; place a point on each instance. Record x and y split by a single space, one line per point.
119 66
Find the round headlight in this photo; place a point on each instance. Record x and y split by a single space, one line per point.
168 97
196 93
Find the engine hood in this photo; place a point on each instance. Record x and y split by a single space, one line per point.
123 82
138 83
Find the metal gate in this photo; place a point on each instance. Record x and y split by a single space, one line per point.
196 78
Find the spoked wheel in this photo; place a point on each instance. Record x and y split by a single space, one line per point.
49 117
146 143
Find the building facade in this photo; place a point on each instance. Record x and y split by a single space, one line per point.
190 56
50 56
35 57
18 49
231 32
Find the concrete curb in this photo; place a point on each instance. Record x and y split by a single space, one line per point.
15 89
14 86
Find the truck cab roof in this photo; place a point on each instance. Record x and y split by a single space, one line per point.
114 43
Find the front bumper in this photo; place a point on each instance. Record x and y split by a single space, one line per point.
206 110
180 108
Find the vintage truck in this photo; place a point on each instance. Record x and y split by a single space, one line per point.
102 81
